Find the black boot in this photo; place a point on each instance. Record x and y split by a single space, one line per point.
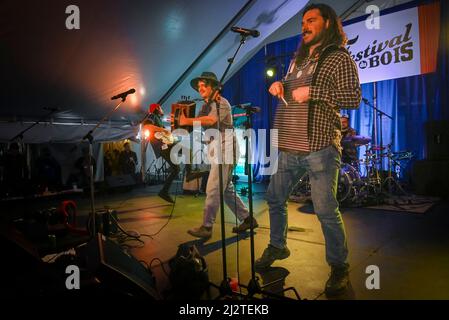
337 282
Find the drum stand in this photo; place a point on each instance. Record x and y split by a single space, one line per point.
391 179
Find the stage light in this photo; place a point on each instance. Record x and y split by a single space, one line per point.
146 134
270 72
133 100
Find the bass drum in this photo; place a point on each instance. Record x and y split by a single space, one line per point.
347 189
348 183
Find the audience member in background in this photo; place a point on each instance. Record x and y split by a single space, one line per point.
116 170
128 160
15 171
108 163
81 173
47 172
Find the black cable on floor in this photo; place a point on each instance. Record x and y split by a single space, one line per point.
169 217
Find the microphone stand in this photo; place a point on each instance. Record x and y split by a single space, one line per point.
380 114
20 134
225 287
253 286
89 137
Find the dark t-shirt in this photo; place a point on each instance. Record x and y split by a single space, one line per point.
349 152
82 165
128 162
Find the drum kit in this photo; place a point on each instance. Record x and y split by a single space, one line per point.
363 182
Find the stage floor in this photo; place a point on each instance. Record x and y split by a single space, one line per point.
410 250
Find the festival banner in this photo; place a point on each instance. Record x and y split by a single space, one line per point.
405 44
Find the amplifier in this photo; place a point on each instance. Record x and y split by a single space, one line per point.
431 177
437 140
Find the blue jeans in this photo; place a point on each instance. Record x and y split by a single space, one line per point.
322 167
231 198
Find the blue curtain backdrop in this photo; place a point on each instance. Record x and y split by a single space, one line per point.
411 101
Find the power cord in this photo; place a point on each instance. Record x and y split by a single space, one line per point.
169 217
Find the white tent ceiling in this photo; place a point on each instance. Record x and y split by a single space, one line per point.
152 46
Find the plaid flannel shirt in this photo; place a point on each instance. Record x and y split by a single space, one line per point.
335 85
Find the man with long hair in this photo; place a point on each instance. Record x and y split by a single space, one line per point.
321 79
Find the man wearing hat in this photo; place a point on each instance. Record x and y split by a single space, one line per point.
208 116
161 149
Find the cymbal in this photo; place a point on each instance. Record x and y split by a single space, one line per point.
357 140
402 155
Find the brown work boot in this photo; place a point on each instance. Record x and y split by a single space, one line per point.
245 225
201 232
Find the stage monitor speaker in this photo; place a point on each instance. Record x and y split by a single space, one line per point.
189 275
121 181
21 270
437 142
431 178
118 272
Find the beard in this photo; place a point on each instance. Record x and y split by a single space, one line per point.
317 39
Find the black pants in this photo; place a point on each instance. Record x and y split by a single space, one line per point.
174 170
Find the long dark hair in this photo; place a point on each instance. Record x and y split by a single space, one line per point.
332 35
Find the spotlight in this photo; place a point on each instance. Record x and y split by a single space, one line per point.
270 72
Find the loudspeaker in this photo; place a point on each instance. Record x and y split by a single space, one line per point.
122 181
437 140
431 178
118 272
22 271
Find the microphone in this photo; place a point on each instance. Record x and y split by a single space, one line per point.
246 32
247 107
123 94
